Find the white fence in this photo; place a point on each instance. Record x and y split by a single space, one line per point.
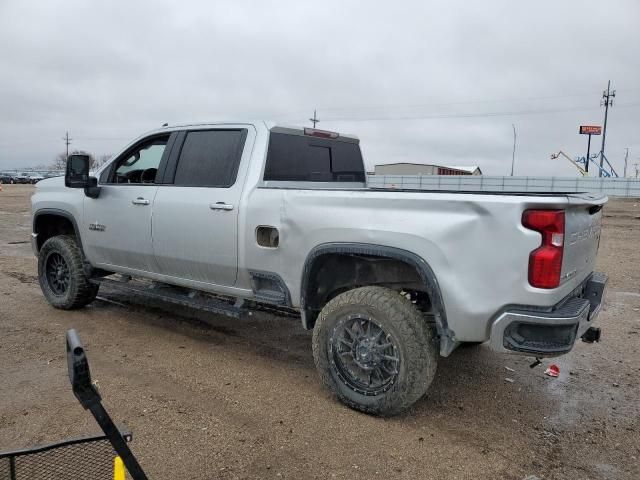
615 187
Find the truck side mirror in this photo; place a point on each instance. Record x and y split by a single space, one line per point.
77 174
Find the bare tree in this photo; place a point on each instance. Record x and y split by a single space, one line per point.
60 162
102 159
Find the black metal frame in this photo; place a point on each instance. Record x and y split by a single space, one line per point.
66 443
12 455
88 396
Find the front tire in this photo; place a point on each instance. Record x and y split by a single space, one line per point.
374 350
61 274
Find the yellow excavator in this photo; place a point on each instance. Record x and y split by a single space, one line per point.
582 171
580 163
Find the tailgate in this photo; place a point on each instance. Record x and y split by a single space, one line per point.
583 218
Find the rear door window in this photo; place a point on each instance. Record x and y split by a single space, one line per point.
210 158
310 159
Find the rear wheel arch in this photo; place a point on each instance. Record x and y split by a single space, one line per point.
371 265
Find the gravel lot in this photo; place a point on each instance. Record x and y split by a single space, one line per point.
212 397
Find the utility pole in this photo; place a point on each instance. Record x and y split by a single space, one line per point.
607 101
626 156
637 165
513 154
67 142
314 119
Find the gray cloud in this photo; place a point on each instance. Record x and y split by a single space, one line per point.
418 81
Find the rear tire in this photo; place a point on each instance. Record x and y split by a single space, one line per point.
374 350
61 274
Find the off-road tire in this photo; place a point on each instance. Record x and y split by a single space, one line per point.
80 291
414 337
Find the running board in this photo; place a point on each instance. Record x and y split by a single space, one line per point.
176 295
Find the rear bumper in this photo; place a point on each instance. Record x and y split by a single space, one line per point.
549 332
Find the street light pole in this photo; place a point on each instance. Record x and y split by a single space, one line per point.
513 154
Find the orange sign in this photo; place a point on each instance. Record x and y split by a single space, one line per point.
590 130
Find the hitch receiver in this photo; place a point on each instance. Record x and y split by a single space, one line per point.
591 335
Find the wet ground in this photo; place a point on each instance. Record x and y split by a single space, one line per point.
212 397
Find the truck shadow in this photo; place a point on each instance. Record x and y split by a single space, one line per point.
473 379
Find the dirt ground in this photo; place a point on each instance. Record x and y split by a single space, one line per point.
212 397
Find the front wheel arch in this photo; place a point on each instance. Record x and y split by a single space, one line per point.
51 222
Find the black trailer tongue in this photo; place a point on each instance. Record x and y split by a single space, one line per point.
101 457
88 396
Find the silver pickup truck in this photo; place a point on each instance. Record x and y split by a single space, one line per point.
233 216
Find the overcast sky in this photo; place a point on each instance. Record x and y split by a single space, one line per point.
422 81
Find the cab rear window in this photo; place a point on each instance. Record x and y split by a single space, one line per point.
301 158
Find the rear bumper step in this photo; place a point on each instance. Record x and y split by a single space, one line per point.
554 332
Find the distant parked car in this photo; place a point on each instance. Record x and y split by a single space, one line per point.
35 178
6 177
22 178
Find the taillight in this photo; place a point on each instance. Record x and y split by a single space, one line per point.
545 262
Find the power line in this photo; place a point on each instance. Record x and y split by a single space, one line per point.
102 139
461 102
472 115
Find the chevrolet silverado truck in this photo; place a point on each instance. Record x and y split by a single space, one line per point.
230 217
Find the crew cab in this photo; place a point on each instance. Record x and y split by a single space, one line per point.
233 216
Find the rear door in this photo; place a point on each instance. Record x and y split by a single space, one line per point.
195 215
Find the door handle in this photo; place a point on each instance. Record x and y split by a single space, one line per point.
140 201
220 206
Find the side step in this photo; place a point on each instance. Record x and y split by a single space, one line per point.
176 295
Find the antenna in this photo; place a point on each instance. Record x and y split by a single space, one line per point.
314 119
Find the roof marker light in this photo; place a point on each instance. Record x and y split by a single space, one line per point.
314 132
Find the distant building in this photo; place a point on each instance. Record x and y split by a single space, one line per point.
424 169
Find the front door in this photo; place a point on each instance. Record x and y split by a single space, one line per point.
117 224
195 218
